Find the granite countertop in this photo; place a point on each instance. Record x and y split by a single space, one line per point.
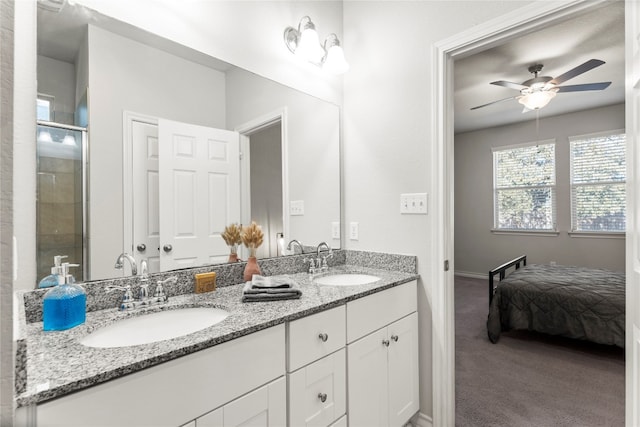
57 364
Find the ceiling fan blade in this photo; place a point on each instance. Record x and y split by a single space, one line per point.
510 85
580 88
583 68
493 102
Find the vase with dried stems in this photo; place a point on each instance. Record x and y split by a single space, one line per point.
252 237
231 236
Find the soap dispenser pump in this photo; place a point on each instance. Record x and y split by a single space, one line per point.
56 273
65 305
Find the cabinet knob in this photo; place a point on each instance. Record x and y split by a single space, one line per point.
322 397
394 338
142 247
385 343
167 248
323 337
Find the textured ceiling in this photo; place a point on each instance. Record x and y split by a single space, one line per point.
598 34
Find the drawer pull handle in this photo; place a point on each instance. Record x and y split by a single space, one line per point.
385 343
394 338
323 337
322 397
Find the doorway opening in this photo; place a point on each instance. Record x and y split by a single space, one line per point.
509 26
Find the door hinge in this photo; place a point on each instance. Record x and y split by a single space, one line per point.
446 265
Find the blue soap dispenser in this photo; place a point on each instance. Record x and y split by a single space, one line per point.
65 305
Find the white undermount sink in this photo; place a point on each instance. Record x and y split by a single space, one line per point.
153 327
346 279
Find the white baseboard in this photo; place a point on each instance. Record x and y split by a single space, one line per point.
422 420
472 275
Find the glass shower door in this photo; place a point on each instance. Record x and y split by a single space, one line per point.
60 197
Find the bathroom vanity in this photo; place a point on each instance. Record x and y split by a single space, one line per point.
340 355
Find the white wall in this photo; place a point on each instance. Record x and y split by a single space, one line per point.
477 250
128 76
313 148
387 128
248 34
58 79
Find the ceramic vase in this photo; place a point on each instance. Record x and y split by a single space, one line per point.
233 257
251 268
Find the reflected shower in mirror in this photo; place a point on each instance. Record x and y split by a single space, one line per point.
181 144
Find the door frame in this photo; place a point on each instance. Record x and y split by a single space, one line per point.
514 24
128 117
246 130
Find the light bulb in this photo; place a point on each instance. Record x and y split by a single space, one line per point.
69 140
309 44
537 100
335 63
44 136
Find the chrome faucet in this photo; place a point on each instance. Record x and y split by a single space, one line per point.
144 300
321 261
295 242
120 263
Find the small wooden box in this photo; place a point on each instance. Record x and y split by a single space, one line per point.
205 282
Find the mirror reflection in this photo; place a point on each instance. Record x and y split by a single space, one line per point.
172 146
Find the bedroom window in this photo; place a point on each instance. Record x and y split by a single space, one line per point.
524 182
598 178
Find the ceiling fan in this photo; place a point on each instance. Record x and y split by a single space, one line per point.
535 93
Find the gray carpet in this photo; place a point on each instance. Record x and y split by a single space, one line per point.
530 379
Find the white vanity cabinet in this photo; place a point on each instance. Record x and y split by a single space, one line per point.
382 358
229 375
317 369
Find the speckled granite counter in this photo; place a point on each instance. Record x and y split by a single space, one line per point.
56 363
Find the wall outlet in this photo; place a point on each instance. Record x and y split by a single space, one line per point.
414 203
353 231
335 230
296 207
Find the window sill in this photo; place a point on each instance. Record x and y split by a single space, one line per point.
598 234
541 233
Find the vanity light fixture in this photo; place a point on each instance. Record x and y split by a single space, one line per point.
305 43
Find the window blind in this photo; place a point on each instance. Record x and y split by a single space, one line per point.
524 187
598 178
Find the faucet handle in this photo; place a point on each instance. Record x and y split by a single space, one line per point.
128 295
144 291
311 261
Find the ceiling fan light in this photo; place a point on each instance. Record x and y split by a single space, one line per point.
537 100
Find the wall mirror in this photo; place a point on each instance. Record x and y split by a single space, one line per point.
168 146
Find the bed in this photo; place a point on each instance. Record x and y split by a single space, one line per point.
575 302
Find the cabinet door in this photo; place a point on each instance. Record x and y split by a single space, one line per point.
317 392
367 380
403 370
212 419
264 407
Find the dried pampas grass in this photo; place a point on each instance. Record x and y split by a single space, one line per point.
252 237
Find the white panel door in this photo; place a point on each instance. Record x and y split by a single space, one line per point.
146 227
200 183
367 380
403 370
632 100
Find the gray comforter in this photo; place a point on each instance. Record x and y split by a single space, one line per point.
574 302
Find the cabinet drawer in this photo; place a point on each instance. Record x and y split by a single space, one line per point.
315 336
365 315
317 392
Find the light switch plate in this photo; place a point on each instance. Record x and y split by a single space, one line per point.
296 207
414 203
335 230
353 231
